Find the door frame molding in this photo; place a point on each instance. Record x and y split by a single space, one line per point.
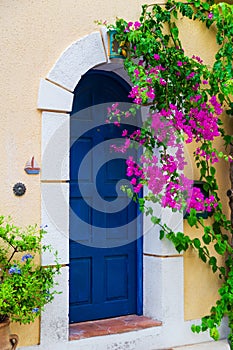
163 274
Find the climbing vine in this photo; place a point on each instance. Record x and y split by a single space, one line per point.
186 99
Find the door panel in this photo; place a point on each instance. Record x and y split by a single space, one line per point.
104 270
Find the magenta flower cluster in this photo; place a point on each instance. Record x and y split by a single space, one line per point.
166 130
200 203
150 75
132 26
163 174
134 171
201 121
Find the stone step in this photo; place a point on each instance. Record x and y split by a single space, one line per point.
219 345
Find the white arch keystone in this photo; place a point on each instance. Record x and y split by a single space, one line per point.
77 59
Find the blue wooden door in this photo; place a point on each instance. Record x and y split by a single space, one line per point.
105 254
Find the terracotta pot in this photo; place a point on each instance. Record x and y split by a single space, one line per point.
7 341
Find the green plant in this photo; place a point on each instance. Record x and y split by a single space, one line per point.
186 100
25 286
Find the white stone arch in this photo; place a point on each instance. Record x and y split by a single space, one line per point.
163 267
55 100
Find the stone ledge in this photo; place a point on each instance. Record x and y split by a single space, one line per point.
219 345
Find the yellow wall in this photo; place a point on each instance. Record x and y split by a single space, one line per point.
33 35
201 285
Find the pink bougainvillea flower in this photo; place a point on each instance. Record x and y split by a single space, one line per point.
133 169
133 181
190 76
197 58
114 106
210 15
197 200
136 72
134 92
138 188
195 87
162 81
195 98
156 57
124 133
136 135
204 82
217 106
210 203
132 26
161 68
169 164
122 148
127 114
179 63
137 25
149 80
138 100
150 93
176 193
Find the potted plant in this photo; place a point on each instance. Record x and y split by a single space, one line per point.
25 285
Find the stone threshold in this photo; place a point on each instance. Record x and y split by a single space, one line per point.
108 326
219 345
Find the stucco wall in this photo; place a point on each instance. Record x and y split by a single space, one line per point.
34 33
201 285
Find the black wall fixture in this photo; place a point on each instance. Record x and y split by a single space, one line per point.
19 189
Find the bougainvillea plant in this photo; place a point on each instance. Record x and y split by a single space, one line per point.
185 99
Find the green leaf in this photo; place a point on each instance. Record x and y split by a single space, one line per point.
206 238
214 333
210 322
206 187
155 220
175 32
197 243
202 255
162 234
205 6
220 154
149 211
212 170
217 216
220 248
192 218
212 261
196 329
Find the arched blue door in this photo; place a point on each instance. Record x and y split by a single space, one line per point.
105 277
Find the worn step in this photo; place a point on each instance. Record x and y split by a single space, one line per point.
219 345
